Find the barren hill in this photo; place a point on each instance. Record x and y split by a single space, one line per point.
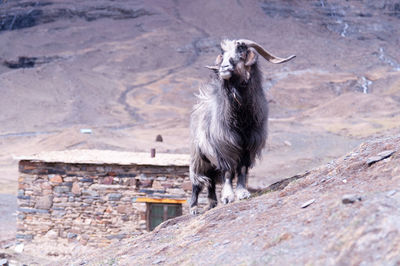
346 212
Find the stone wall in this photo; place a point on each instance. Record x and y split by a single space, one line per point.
94 203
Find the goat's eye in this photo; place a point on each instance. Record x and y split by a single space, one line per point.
222 51
241 48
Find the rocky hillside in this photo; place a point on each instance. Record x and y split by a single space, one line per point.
346 212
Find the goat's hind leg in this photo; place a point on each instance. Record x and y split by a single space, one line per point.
196 189
241 190
212 196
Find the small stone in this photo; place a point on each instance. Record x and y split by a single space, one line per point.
159 138
146 183
44 203
385 154
52 234
380 156
350 198
167 185
187 186
62 189
19 248
58 213
108 180
71 235
287 143
24 236
24 197
373 159
158 261
75 188
87 180
56 179
3 262
90 193
391 193
114 196
46 186
123 209
226 242
157 185
307 203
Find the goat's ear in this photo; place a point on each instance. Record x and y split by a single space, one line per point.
218 60
251 57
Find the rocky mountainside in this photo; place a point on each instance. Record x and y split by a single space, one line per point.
346 212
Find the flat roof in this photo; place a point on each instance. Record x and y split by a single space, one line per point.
108 157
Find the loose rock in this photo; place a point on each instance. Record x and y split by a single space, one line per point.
159 138
350 198
3 262
380 157
308 203
158 261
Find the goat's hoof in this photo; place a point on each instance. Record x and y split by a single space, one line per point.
212 204
242 193
227 198
227 194
194 210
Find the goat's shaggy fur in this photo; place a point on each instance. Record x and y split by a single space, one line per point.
228 125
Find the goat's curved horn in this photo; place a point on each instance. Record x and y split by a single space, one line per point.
212 67
271 58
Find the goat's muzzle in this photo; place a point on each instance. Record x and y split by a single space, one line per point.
225 72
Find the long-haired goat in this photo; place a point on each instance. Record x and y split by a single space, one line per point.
229 123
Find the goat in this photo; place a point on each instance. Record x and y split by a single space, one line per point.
229 123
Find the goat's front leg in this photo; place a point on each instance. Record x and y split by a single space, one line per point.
227 194
241 190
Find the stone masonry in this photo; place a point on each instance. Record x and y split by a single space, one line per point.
96 196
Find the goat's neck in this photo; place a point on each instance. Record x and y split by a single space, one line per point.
236 91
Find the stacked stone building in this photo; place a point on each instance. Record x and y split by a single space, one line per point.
94 196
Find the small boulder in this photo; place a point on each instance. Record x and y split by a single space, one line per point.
350 198
159 138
